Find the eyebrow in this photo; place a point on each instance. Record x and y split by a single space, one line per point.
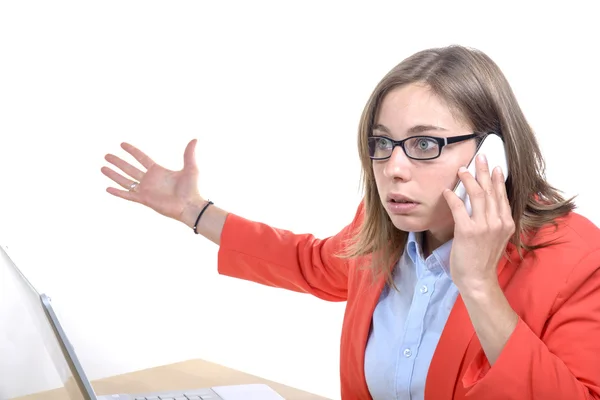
414 130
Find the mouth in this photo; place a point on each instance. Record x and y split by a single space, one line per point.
398 204
400 199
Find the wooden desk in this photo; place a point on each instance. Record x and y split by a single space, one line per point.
192 374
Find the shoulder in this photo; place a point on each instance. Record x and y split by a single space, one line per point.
354 227
571 257
580 229
572 236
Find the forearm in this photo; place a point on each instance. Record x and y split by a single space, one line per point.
280 258
260 253
492 317
528 369
211 223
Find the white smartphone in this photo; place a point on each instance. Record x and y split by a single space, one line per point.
492 147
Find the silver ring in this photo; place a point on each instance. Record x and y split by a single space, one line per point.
133 186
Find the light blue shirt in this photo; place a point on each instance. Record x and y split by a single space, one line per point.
408 322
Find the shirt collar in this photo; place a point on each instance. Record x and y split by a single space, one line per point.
441 254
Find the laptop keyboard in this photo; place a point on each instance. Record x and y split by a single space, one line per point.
184 397
192 395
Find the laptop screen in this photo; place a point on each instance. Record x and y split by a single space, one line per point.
31 332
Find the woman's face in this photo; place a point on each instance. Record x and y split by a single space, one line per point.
408 111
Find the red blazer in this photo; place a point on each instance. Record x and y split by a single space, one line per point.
554 352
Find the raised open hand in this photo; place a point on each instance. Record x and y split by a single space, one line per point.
165 191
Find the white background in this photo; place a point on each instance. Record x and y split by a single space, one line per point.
273 91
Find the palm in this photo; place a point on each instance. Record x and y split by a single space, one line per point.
165 191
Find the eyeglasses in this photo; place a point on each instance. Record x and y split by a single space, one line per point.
415 147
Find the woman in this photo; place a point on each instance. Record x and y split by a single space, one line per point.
503 304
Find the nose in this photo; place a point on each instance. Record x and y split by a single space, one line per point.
398 166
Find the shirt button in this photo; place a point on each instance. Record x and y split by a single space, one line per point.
423 289
407 353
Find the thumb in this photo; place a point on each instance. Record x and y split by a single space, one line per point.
189 156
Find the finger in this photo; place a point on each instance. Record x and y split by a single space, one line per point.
189 156
485 181
501 194
125 167
475 192
146 161
504 210
457 207
124 194
483 172
118 178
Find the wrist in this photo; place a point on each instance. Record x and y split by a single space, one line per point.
478 287
191 211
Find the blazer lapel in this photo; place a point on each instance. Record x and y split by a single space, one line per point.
364 304
447 361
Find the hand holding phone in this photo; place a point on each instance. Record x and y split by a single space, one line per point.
492 147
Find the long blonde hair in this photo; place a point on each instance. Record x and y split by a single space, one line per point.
476 90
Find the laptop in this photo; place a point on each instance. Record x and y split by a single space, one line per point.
73 375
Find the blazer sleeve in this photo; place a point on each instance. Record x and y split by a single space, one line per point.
274 257
564 363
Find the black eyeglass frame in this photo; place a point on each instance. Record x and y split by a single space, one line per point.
442 142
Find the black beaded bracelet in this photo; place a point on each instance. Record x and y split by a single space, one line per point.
208 203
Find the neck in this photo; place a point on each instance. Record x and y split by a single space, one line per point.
432 241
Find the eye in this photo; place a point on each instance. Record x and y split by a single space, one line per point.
422 147
424 144
380 147
383 143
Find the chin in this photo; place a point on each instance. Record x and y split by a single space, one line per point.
410 223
